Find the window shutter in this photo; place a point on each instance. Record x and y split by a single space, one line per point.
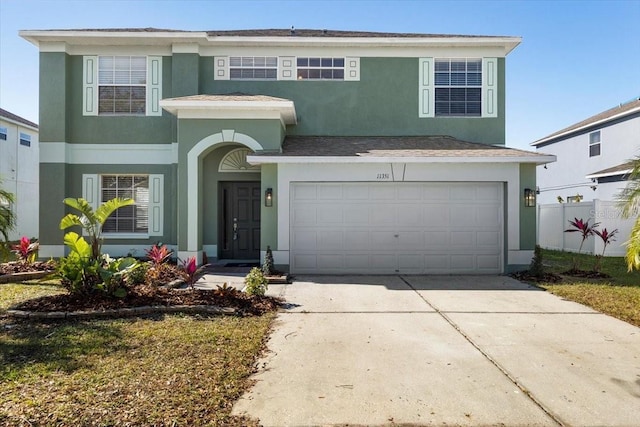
287 68
90 190
426 91
490 87
154 85
90 86
352 69
156 204
221 68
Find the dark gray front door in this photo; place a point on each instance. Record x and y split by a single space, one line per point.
240 222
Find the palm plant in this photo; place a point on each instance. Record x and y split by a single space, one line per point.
629 199
585 230
7 216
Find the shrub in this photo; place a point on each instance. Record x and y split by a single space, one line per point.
158 253
536 269
191 271
256 283
26 251
138 275
267 267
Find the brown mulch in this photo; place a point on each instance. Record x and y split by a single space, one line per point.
590 274
525 276
153 296
23 267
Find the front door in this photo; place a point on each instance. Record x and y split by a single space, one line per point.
240 220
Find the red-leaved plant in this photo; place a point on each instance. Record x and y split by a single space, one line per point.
191 271
607 238
585 230
26 251
158 254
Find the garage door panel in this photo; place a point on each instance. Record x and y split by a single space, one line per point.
386 228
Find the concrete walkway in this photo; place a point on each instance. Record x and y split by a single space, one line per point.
442 350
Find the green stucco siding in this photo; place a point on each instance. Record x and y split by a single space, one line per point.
269 215
184 74
383 102
528 232
54 94
53 180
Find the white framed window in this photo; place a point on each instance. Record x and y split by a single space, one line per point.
320 68
3 133
253 67
122 85
458 87
594 144
142 219
25 139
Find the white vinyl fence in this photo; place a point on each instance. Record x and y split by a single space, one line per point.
553 220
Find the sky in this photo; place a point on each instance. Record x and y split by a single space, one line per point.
576 59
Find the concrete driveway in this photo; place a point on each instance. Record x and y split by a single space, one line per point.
440 350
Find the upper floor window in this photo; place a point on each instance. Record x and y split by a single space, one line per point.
25 139
594 144
122 85
3 133
253 68
458 87
320 68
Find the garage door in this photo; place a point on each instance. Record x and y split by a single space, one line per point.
389 228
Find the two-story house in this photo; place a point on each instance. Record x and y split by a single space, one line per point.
345 152
592 156
19 170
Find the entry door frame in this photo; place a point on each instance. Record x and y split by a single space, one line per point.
234 198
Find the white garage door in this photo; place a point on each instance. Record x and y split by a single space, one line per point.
388 228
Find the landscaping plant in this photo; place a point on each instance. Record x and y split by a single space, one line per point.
536 269
607 238
256 282
191 271
629 199
585 230
7 216
267 267
26 251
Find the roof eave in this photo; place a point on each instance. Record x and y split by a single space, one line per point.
268 159
285 108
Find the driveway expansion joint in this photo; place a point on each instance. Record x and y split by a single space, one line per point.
503 370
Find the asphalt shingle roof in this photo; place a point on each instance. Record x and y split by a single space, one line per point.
233 97
7 115
392 146
615 170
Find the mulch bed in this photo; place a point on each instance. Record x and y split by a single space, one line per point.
153 296
23 267
591 274
525 276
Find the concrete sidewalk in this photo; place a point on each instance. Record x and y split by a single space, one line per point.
443 349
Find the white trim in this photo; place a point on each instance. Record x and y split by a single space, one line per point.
211 251
156 205
128 236
182 108
351 69
19 124
51 251
221 68
109 154
185 48
90 86
223 168
184 255
53 46
154 86
604 175
91 189
287 68
426 91
117 251
489 106
519 257
194 174
539 159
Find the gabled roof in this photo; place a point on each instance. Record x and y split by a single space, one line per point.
17 119
621 169
616 113
410 149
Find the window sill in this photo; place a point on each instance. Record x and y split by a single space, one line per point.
115 236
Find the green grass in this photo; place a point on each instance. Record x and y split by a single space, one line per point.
163 370
618 296
11 293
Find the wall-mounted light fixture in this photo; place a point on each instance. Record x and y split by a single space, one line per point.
268 197
529 198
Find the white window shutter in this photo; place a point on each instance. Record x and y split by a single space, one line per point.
221 68
426 94
90 86
352 69
90 190
490 87
156 204
287 68
154 85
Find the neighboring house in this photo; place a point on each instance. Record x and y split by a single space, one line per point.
593 156
345 152
19 171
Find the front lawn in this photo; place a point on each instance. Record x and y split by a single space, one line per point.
618 296
160 370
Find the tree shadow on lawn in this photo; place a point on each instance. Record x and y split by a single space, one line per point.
56 346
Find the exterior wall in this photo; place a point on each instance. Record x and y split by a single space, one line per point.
619 143
383 102
527 214
515 255
19 173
